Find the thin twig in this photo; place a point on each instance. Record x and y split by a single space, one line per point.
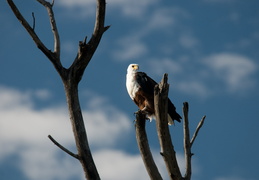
63 148
54 28
51 56
106 28
33 21
85 39
197 130
29 29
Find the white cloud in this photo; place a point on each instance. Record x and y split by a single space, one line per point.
129 49
117 165
234 70
188 41
213 74
160 19
192 87
42 94
244 43
75 3
165 65
40 163
133 46
133 8
191 83
105 124
12 98
24 130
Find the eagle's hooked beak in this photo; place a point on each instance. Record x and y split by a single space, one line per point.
135 67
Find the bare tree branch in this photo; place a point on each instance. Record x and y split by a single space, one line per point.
51 56
143 145
187 145
33 21
29 29
53 26
63 148
71 77
187 142
197 130
167 148
86 50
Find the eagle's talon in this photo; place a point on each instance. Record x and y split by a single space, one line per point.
136 113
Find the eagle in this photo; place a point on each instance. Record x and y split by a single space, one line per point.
141 90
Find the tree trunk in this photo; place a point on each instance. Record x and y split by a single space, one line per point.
77 122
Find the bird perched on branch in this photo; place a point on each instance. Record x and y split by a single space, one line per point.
141 90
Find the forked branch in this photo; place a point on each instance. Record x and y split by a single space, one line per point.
52 56
87 50
167 148
187 142
53 26
71 77
30 30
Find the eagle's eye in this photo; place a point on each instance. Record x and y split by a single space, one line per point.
132 66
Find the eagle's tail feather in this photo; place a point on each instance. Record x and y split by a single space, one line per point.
170 121
172 112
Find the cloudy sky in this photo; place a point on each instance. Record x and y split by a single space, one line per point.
209 48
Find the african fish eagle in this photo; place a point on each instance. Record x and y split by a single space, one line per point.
141 90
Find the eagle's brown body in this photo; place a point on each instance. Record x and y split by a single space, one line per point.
141 90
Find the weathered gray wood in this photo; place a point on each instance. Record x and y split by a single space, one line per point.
71 76
167 148
143 145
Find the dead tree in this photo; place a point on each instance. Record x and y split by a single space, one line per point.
167 149
71 76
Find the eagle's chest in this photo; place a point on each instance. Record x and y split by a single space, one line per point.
132 85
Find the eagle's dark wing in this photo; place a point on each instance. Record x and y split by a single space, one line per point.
146 83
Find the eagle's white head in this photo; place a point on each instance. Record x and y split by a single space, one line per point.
132 68
131 84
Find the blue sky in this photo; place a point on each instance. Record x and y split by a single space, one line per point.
209 48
